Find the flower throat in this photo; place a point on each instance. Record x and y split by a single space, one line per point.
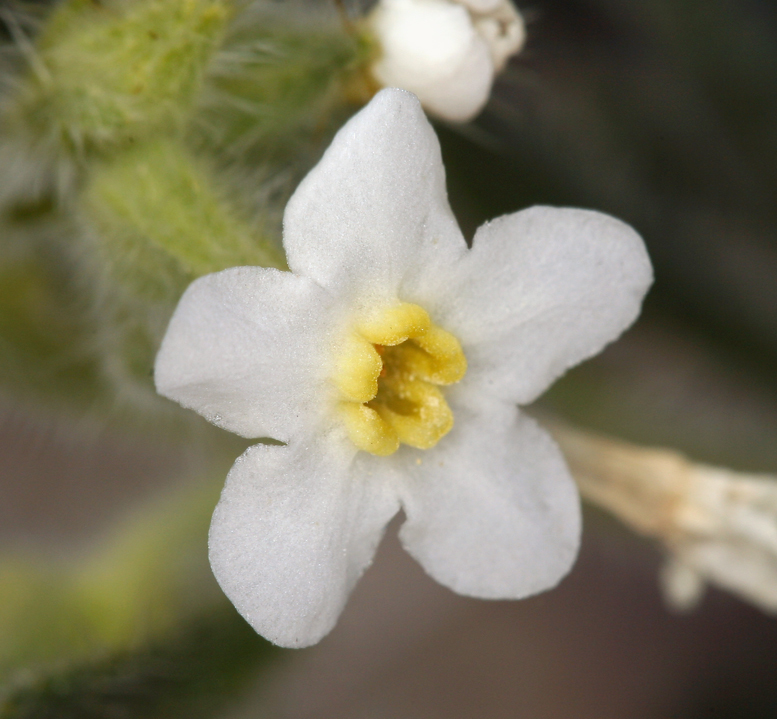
389 375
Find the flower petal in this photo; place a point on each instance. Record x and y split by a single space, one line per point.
492 511
376 204
295 528
244 349
540 291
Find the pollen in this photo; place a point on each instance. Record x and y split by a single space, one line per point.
389 372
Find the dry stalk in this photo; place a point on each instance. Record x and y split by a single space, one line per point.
718 526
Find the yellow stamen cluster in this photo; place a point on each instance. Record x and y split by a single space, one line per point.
388 374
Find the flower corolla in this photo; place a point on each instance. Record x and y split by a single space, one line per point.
390 362
447 52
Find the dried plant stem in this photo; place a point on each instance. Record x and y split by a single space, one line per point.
719 526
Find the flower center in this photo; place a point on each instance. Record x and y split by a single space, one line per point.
389 374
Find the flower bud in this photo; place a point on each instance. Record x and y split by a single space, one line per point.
445 52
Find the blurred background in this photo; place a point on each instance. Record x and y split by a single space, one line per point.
662 113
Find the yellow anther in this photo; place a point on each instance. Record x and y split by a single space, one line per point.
387 372
368 430
358 368
420 417
395 324
435 356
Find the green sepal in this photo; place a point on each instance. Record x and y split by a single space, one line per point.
109 73
155 220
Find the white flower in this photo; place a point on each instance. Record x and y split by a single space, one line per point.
379 266
445 51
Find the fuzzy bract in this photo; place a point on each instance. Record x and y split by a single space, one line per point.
390 362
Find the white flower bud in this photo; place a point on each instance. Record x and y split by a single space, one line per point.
445 52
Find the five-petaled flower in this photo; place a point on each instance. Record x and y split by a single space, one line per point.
390 361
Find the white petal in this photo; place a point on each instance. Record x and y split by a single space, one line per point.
295 528
247 349
540 291
375 205
492 511
431 47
